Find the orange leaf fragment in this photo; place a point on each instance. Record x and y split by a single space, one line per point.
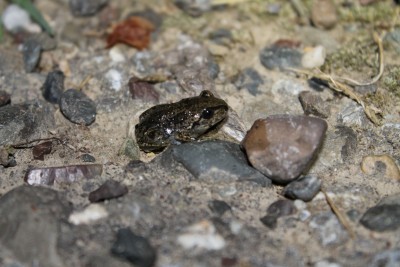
134 31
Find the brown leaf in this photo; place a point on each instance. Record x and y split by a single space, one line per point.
134 31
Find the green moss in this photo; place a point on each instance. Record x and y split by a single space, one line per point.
391 80
377 14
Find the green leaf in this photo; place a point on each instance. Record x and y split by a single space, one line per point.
35 14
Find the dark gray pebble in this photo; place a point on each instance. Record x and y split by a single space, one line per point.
382 218
221 36
313 104
216 161
77 107
280 57
269 221
304 188
136 249
281 207
87 158
194 8
5 98
31 51
249 79
219 207
108 190
86 7
53 87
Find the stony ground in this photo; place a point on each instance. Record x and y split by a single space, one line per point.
200 204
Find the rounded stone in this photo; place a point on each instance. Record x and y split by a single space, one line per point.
304 188
77 107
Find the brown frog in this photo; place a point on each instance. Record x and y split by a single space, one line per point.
183 121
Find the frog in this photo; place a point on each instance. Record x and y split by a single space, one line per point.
187 120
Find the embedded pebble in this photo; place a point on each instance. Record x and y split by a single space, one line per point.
313 57
53 87
114 78
77 107
90 214
42 149
282 146
352 115
216 161
31 51
381 165
86 7
279 208
219 207
250 80
87 158
280 57
385 216
304 188
7 159
134 248
313 104
193 8
30 224
221 36
201 235
64 174
5 98
142 90
15 18
328 229
110 189
324 14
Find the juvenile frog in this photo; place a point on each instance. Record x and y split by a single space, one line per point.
183 121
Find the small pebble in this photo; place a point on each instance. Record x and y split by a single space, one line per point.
110 189
304 188
324 14
249 79
313 57
15 18
86 7
142 90
313 104
280 57
77 107
44 40
134 248
31 51
382 165
42 149
279 208
221 36
382 217
114 78
90 214
87 158
201 235
5 98
282 146
53 87
194 8
328 229
352 115
219 207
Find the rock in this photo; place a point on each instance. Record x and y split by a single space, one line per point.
7 158
215 161
280 57
136 249
65 174
221 36
328 229
53 87
249 79
25 122
15 19
283 146
110 189
314 57
143 90
390 258
381 165
87 158
86 7
194 8
77 107
31 51
279 208
313 104
201 235
219 207
5 98
30 222
391 131
90 214
304 188
385 216
324 14
114 79
42 149
130 149
352 115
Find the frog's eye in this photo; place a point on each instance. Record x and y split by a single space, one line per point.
206 93
207 113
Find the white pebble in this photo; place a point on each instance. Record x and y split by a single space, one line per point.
15 18
114 77
300 204
90 214
116 55
314 57
201 235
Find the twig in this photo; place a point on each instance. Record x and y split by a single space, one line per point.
84 82
28 144
339 215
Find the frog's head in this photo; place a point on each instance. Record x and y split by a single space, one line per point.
153 138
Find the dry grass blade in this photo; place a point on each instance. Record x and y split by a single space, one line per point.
339 214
